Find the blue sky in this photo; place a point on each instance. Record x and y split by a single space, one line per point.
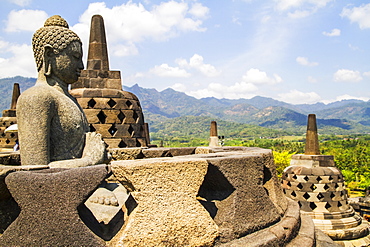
297 51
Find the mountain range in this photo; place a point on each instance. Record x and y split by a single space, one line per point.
341 117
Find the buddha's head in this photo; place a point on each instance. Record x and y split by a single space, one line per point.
58 50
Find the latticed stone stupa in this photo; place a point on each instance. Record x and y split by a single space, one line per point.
317 184
110 111
8 139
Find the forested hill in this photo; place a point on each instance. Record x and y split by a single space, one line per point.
342 117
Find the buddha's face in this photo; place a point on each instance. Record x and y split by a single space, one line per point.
68 63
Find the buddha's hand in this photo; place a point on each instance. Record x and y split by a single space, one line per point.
95 149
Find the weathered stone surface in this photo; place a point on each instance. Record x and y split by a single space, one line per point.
51 125
9 209
182 151
155 152
126 153
167 212
10 158
103 89
234 194
312 140
283 233
49 200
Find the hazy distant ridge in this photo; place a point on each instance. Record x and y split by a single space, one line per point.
347 116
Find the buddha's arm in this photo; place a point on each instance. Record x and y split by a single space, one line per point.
33 118
93 153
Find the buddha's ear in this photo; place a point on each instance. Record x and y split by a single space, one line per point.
48 55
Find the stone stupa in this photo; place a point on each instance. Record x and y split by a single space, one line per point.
317 184
9 117
110 111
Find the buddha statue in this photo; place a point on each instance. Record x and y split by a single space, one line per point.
53 129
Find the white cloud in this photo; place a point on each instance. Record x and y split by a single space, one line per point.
367 74
179 87
197 62
20 62
345 97
291 4
132 22
21 3
300 8
299 14
121 50
166 71
346 75
218 90
304 61
199 11
296 97
246 88
359 15
334 32
25 20
255 76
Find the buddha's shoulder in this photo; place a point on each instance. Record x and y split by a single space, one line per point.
38 93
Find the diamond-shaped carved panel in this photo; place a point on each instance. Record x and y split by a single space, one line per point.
112 116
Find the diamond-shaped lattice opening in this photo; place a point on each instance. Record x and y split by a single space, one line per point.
327 205
11 123
294 176
122 144
112 130
12 135
300 186
306 178
135 116
91 103
131 130
318 179
293 194
332 195
92 129
313 187
3 134
129 104
326 187
289 184
111 103
4 123
102 117
306 196
7 141
121 117
313 205
341 193
320 196
339 204
330 178
336 186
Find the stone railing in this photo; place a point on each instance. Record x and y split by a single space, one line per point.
226 196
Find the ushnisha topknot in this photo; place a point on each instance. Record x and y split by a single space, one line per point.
55 33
